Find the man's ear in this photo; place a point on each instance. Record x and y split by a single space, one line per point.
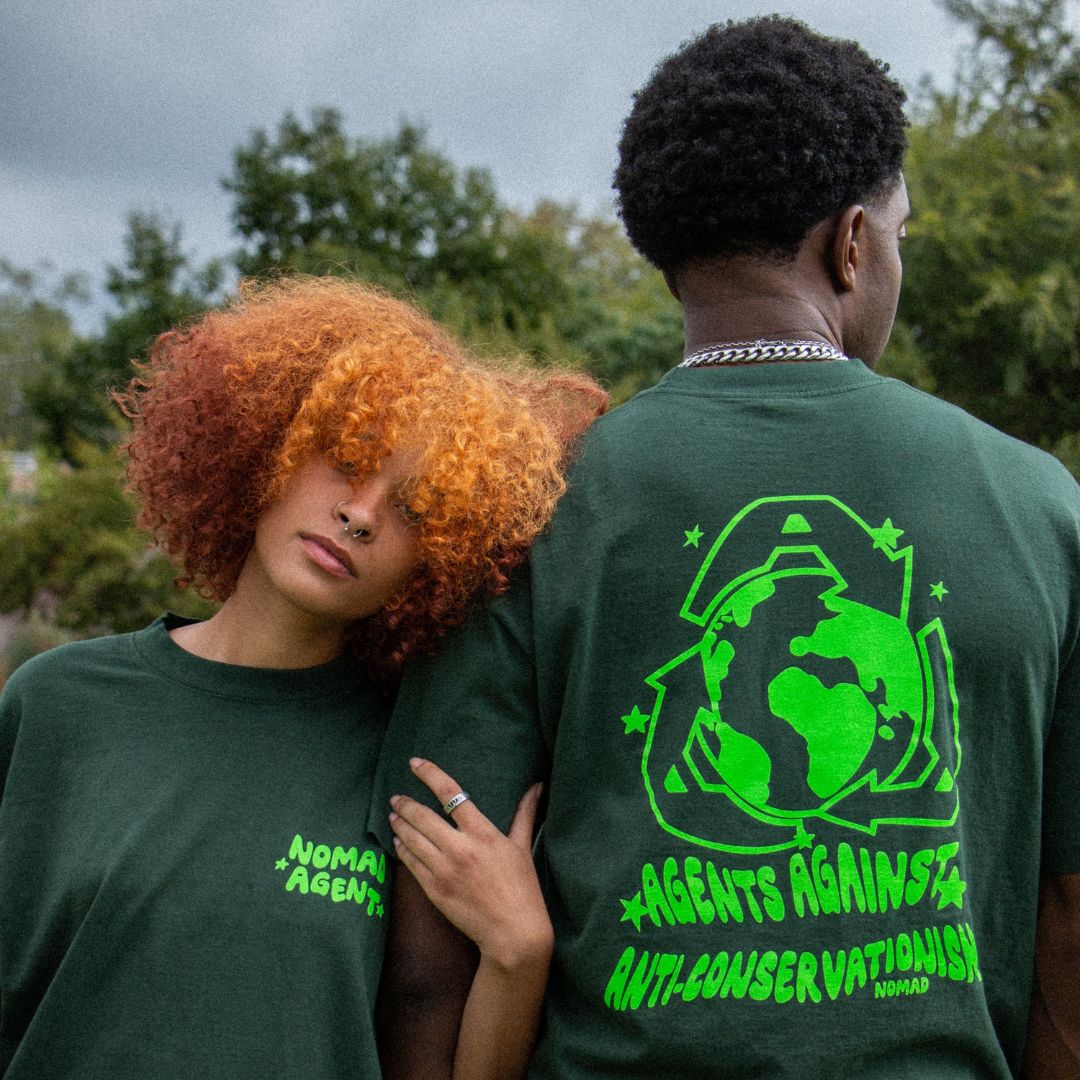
848 240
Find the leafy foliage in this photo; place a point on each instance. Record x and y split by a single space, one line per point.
989 318
393 211
74 553
35 330
990 312
155 289
1023 52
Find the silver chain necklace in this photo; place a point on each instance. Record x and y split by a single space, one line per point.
762 352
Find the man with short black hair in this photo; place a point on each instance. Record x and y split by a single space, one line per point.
799 656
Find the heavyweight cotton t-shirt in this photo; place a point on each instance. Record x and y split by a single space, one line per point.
798 657
187 889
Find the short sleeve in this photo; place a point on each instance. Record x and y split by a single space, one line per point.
472 710
1061 773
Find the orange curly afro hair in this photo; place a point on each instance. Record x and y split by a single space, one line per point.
227 409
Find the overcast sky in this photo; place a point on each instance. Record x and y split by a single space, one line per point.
107 106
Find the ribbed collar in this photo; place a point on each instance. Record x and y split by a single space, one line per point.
769 380
161 653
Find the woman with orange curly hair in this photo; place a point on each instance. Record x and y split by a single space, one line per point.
187 886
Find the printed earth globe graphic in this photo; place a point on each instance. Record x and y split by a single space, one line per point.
812 690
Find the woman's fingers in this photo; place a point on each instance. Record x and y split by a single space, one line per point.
415 838
521 828
444 788
414 865
482 881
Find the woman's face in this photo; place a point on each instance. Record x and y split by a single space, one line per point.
332 548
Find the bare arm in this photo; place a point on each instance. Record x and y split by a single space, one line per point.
502 1014
426 978
485 884
1053 1036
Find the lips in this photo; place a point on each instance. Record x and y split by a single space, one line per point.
327 555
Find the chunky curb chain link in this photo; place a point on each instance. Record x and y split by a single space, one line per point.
761 352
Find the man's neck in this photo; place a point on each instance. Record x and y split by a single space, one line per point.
722 324
748 299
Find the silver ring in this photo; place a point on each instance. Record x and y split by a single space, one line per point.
347 528
455 802
337 517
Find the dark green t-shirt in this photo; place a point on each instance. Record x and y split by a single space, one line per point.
798 657
187 888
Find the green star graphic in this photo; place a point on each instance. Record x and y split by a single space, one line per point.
379 911
885 538
634 911
635 721
693 536
951 891
282 864
805 839
938 591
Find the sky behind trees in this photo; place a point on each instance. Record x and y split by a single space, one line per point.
120 105
988 316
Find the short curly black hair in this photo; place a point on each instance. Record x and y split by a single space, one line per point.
751 134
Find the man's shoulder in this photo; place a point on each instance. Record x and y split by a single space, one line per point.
943 422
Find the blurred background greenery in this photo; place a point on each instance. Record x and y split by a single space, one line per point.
989 315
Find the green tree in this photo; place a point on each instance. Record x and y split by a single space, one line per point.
615 314
74 553
311 198
1022 51
394 211
990 312
35 329
156 288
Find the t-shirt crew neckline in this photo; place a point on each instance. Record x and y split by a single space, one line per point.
158 650
801 379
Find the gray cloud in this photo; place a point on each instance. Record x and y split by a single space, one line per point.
115 105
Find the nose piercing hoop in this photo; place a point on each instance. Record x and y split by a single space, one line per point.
347 528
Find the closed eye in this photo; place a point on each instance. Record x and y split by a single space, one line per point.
413 517
346 468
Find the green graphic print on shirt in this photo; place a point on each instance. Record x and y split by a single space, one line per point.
810 705
336 872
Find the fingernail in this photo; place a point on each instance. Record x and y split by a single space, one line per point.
395 799
393 818
397 842
416 762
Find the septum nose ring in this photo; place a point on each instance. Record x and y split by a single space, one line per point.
347 528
